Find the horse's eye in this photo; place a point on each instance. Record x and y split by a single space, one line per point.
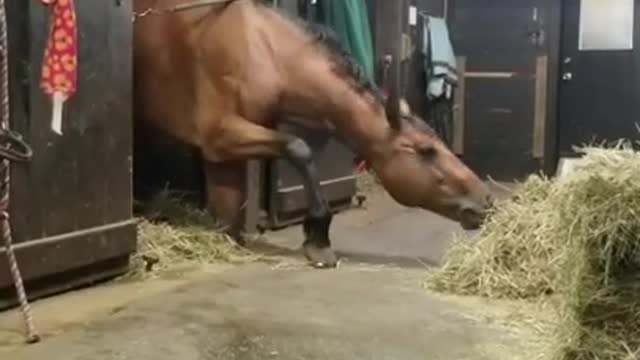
428 153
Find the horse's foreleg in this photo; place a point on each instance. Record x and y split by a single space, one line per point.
243 140
226 195
317 245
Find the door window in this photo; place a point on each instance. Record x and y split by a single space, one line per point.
606 25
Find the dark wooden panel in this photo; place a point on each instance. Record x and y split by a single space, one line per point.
498 120
58 254
553 32
497 39
89 118
58 283
431 7
495 32
81 179
117 123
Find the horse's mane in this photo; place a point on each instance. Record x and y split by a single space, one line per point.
345 65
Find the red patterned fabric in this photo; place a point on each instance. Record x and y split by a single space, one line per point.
60 57
60 63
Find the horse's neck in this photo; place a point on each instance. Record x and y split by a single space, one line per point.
313 89
356 120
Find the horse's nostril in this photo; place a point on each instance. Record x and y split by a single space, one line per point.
490 201
471 217
470 212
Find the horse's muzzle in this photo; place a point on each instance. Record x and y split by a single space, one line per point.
472 217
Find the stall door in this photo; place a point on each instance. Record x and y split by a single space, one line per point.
500 112
71 206
600 73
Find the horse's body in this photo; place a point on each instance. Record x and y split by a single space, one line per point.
220 77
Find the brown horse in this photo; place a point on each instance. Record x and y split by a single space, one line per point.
221 76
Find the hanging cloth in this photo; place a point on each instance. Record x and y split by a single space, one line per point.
59 66
440 61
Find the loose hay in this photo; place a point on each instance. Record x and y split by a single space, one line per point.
180 237
577 237
513 256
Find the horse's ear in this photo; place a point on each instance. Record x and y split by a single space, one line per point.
405 109
392 105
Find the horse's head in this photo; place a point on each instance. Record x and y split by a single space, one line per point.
419 170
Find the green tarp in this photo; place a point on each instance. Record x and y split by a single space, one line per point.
350 20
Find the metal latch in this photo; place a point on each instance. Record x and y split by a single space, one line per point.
408 47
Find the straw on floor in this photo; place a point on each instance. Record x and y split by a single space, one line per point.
173 235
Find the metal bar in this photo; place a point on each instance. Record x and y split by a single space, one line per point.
459 108
65 252
322 183
254 189
78 233
489 74
540 110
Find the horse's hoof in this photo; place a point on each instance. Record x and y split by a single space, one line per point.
237 240
320 257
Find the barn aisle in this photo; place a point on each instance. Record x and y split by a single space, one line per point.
285 310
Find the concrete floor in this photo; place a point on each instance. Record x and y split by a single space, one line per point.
383 232
284 310
255 312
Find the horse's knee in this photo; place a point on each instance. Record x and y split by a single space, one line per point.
298 150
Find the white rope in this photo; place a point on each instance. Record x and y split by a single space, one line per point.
5 226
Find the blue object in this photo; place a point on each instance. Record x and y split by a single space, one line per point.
440 61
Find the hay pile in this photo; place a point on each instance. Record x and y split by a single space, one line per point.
513 258
174 237
577 237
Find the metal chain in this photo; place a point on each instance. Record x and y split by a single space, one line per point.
5 226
